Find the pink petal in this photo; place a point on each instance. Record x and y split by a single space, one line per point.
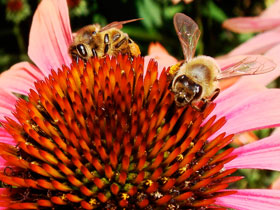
258 44
5 137
256 111
50 35
2 164
261 63
262 154
251 199
160 54
265 79
7 105
269 19
268 62
276 184
20 78
251 24
272 11
237 93
276 131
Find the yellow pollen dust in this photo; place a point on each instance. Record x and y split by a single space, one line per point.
92 201
124 196
164 180
182 170
180 157
63 197
149 182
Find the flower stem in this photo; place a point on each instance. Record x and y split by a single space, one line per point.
19 38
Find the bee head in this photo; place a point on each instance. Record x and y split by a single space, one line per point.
185 90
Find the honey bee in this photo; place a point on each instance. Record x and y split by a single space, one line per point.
196 78
92 40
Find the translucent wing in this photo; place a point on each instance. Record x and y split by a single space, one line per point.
119 24
188 33
247 65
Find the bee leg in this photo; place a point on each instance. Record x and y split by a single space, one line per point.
207 101
198 109
75 58
216 93
202 107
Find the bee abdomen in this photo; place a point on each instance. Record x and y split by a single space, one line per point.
116 37
94 52
106 48
82 50
120 43
106 39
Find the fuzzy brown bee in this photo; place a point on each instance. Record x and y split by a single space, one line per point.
92 40
196 79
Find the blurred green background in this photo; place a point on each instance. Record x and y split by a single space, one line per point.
16 18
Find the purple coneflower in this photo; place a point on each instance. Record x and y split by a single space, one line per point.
109 136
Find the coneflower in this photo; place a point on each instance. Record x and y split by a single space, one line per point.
17 10
106 137
109 136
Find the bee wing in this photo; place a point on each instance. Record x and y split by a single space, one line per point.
188 33
247 65
119 24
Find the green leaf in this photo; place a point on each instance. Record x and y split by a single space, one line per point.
215 12
170 11
139 33
151 13
100 19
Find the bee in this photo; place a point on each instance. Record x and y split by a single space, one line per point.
92 40
196 79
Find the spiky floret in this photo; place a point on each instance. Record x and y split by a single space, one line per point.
103 135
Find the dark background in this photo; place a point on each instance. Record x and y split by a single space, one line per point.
16 18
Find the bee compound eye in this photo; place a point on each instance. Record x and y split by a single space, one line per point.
82 50
183 79
180 99
197 90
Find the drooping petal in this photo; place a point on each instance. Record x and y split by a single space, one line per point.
20 78
259 110
236 93
276 184
265 79
244 138
248 156
272 11
5 137
4 198
276 131
7 104
268 19
249 199
160 54
251 64
50 35
258 44
251 24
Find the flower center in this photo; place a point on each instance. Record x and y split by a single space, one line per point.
104 136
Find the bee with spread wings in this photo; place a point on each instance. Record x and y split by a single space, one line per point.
196 79
92 40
